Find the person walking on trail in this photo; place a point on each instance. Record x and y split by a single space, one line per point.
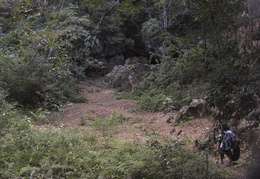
226 140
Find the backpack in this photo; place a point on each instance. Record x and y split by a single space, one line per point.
235 150
226 139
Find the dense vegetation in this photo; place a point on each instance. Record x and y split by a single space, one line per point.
203 49
63 153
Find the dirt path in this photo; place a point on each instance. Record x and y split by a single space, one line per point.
102 103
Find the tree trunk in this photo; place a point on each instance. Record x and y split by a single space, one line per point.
165 16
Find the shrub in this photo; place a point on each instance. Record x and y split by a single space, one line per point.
33 83
156 160
114 119
152 31
152 100
154 90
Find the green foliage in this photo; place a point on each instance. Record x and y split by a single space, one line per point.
172 96
114 119
214 16
45 154
33 83
152 31
152 100
39 116
155 160
180 80
129 6
27 152
126 95
9 116
39 62
92 42
189 66
60 37
233 91
95 4
71 31
108 26
209 51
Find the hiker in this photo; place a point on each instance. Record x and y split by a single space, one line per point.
226 140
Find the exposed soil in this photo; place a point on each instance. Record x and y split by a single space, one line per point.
102 102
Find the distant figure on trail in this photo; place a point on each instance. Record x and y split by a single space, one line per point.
228 146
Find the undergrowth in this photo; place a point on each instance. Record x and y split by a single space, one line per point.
27 152
156 93
113 120
32 83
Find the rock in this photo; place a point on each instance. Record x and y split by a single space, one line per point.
135 60
199 103
127 77
119 59
196 109
254 115
247 125
252 121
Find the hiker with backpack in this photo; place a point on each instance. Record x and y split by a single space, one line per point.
228 146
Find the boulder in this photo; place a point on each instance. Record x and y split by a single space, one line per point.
252 121
119 59
196 109
135 60
254 115
127 77
247 125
